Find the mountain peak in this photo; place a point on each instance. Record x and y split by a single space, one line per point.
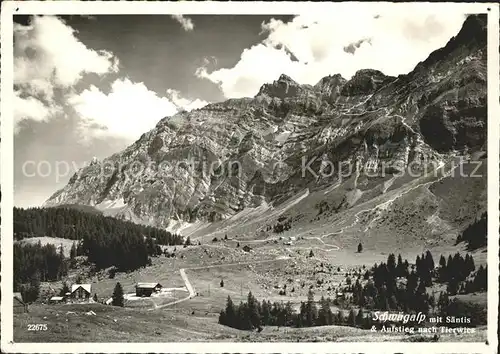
365 81
330 78
369 72
284 77
473 34
330 84
285 86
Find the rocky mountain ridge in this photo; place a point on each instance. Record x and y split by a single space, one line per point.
215 162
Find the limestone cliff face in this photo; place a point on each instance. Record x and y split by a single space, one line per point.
213 162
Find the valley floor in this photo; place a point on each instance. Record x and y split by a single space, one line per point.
76 323
186 314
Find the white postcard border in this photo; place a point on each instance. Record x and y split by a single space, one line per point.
9 8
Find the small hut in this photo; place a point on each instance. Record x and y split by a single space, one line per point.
147 289
19 305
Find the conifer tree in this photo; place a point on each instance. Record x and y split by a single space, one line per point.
118 299
65 289
325 315
442 268
391 264
351 318
357 293
230 313
443 302
359 318
252 311
339 319
288 314
429 260
265 313
62 263
311 309
449 267
470 266
442 262
400 267
32 291
453 286
418 265
406 267
480 281
72 253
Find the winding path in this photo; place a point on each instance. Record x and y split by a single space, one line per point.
190 288
380 207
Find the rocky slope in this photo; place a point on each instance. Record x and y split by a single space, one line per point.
226 158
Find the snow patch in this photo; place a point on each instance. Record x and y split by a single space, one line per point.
111 204
184 228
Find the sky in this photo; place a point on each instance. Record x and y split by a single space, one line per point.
88 86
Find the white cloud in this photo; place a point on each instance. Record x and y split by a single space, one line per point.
183 103
312 46
186 22
258 65
129 110
47 56
32 108
49 52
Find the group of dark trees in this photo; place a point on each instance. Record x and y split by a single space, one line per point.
456 271
74 224
283 224
34 263
397 286
105 241
310 315
478 283
394 285
246 315
383 291
254 314
475 235
125 251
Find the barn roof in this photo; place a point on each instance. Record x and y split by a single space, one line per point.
19 297
56 298
148 285
86 287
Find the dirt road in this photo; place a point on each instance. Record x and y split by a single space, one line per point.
190 288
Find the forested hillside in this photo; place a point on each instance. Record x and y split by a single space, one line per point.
476 234
105 241
75 224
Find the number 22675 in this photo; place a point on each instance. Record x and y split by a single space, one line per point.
37 327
